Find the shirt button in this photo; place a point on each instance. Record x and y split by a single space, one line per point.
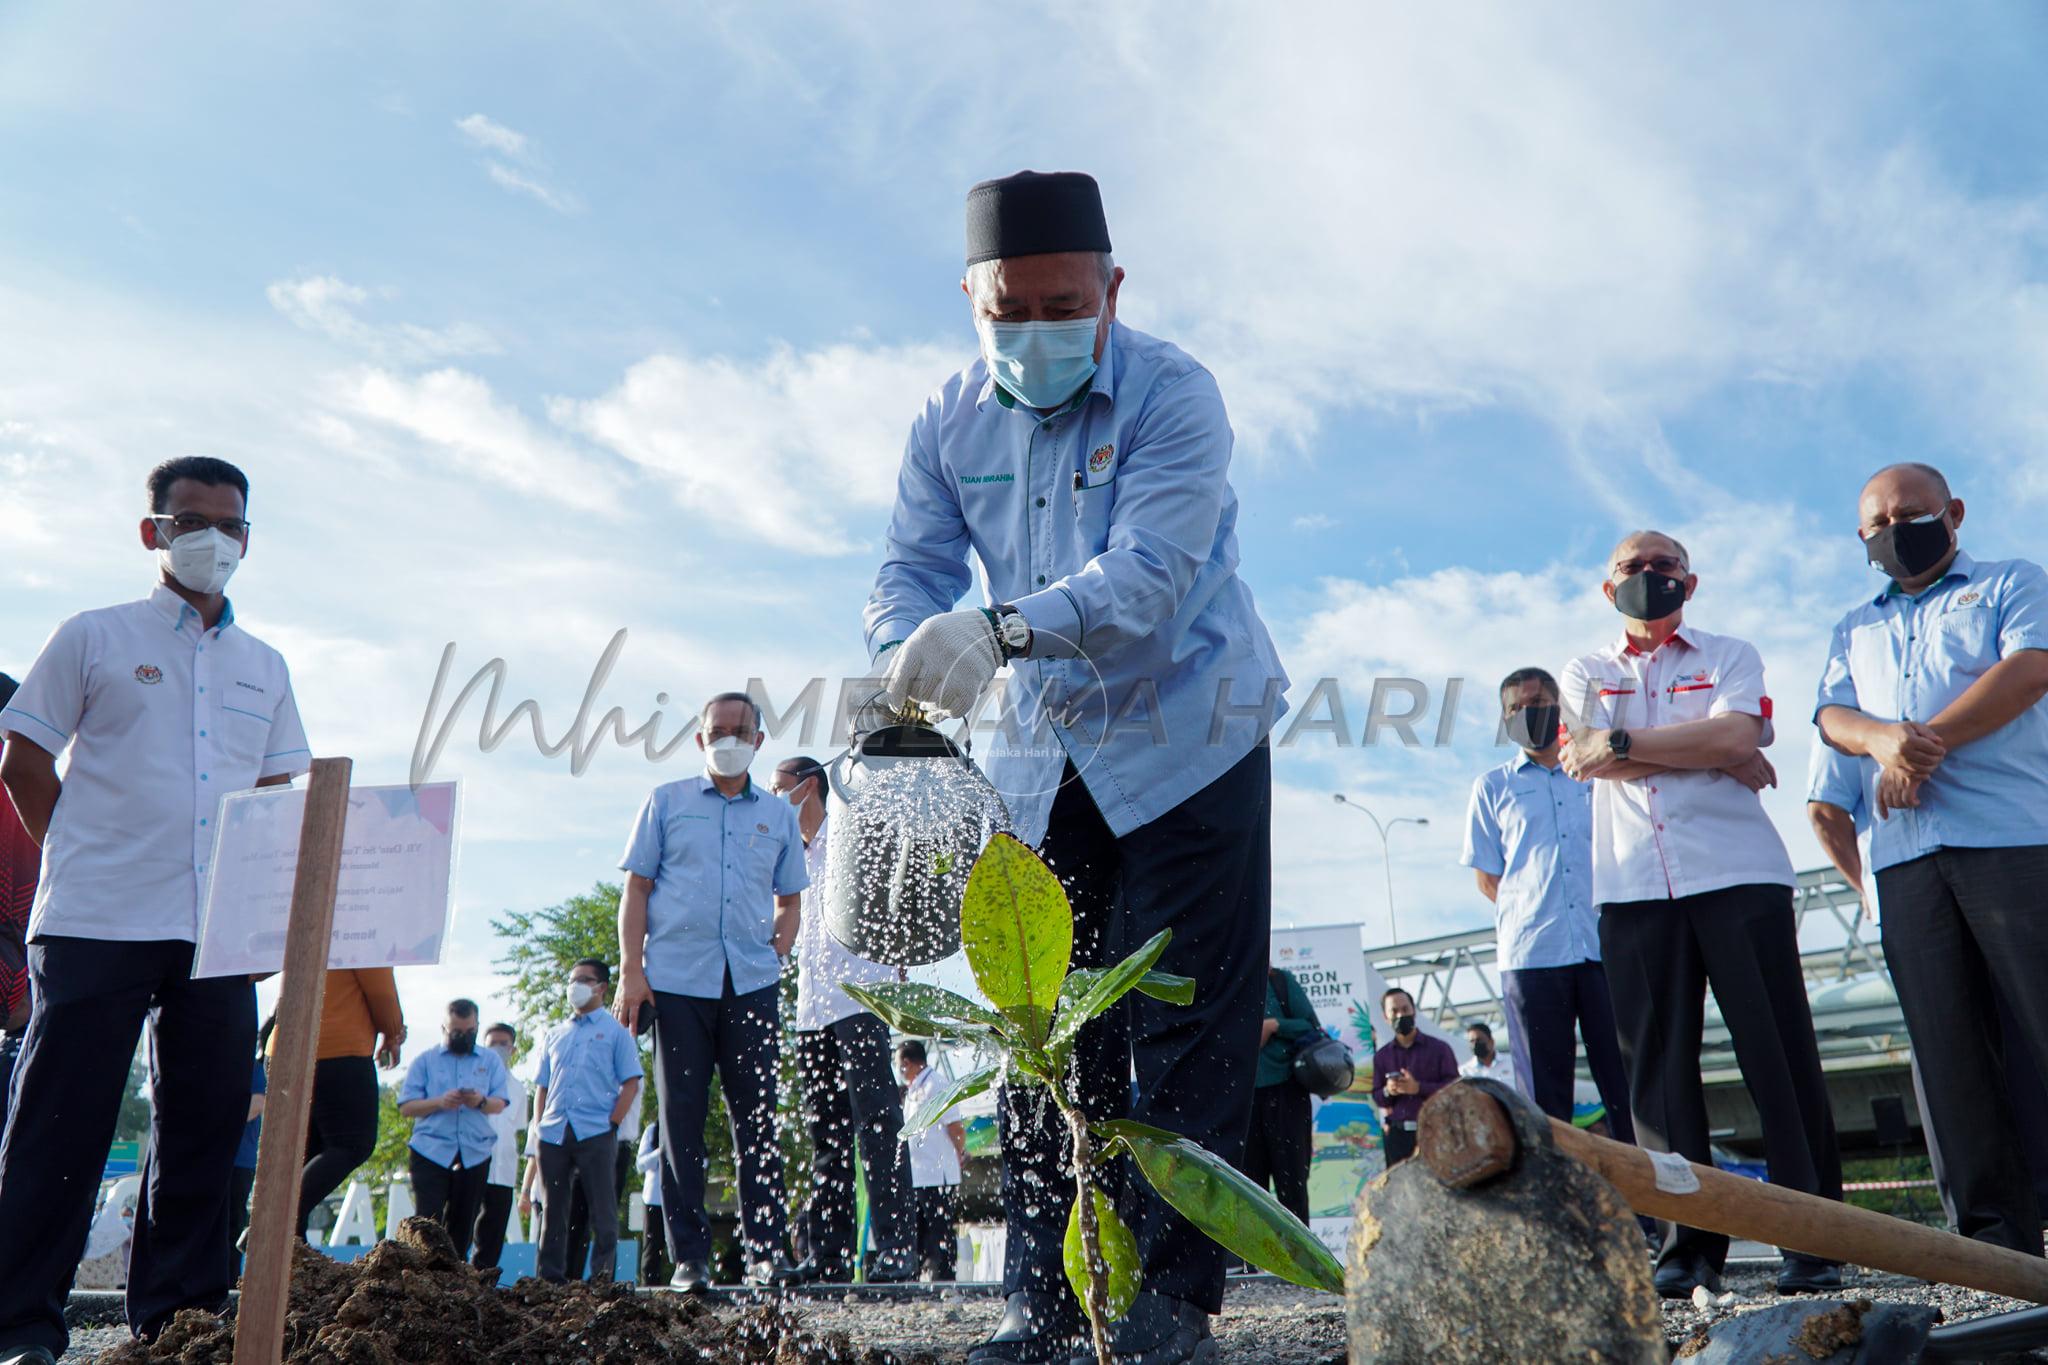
202 819
202 689
1041 502
202 777
1041 580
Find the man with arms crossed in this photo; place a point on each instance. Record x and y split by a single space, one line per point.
1695 890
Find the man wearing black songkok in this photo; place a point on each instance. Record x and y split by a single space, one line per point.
1087 464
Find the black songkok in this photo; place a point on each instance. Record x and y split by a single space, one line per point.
1033 213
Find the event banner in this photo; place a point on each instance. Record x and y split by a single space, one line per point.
1329 962
397 879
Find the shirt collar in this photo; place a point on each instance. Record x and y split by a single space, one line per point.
1103 381
176 610
1962 566
1522 760
747 793
1677 637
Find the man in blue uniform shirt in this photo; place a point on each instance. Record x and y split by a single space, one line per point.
1529 843
160 708
589 1081
1087 466
1939 680
714 881
450 1093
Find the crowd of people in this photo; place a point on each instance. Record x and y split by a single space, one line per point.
1086 466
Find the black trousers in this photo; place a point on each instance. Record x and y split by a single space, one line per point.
1277 1149
739 1035
1661 956
492 1217
935 1234
654 1264
449 1197
240 1183
341 1128
850 1090
579 1210
1549 1010
1398 1144
1962 937
90 1000
1204 870
593 1163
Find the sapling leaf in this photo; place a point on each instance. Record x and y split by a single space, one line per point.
938 1102
1018 930
1100 989
1119 1255
1174 990
910 1007
1239 1215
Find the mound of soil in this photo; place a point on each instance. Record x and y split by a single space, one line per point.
411 1301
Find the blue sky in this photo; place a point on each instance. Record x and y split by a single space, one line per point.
532 323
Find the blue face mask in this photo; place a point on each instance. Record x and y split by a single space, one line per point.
1040 364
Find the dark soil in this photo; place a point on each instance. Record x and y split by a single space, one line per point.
411 1300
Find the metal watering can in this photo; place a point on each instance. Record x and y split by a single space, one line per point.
909 815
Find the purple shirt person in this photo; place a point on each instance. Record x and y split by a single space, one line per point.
1406 1071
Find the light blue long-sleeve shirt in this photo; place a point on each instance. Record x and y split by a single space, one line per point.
717 865
583 1065
1532 827
1111 525
445 1133
1901 657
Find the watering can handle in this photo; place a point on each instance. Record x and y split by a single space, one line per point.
832 779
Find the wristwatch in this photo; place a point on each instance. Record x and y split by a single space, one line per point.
1619 741
1013 632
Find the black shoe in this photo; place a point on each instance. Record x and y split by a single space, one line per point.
1679 1276
773 1270
1036 1329
26 1355
1160 1331
1808 1275
893 1267
691 1277
830 1270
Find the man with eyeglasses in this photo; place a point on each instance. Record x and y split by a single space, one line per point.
1939 680
164 706
1695 890
714 880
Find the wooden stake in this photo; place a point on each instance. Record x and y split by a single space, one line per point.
273 1220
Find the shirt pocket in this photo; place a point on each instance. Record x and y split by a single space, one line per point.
1690 696
1963 641
241 731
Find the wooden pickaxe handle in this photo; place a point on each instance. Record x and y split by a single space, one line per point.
1454 1141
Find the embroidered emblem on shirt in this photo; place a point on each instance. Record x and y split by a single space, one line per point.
1967 598
966 479
1099 461
148 673
762 828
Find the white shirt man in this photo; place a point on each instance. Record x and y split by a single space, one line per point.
843 1060
1695 889
936 1155
160 708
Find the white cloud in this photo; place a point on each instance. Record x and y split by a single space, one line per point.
493 137
513 163
332 307
799 449
483 437
1314 521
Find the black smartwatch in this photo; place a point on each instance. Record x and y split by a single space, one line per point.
1619 741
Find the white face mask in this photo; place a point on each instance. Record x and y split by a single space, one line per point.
581 993
728 757
203 560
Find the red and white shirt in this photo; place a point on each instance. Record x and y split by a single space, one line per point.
1675 833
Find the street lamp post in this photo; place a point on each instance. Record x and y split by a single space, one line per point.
1386 853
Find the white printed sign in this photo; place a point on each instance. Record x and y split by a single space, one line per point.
395 897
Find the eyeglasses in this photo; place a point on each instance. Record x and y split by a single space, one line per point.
185 523
1669 566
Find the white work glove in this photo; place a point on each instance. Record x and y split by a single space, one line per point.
945 663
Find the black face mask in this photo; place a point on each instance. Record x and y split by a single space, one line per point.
1535 727
1483 1051
1649 596
462 1041
1907 549
1404 1025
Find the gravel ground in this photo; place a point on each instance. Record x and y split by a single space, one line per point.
1266 1323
